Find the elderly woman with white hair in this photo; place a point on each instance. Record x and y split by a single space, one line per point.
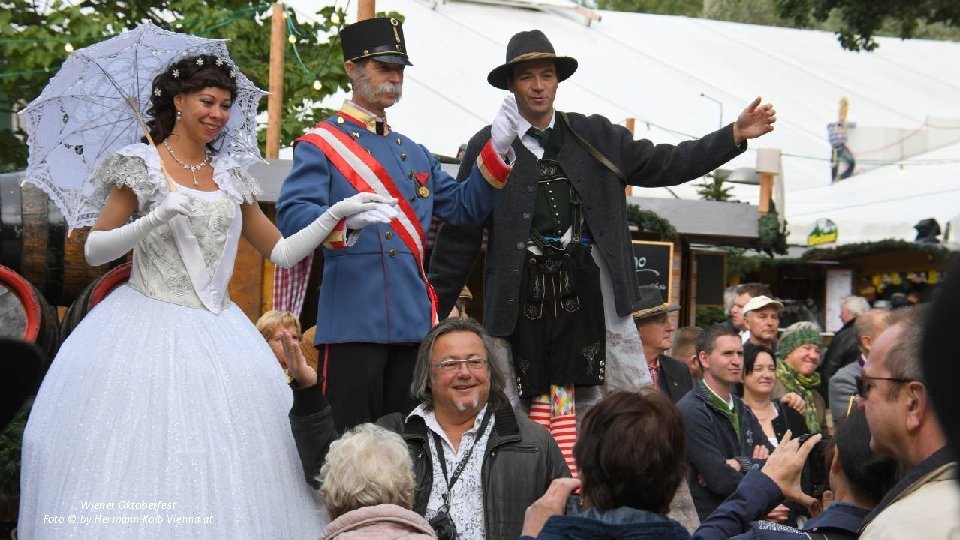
798 356
367 485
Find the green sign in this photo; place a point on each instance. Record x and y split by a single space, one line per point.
824 231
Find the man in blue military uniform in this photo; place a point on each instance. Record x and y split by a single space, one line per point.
375 301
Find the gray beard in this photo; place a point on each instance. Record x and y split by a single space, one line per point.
369 94
464 406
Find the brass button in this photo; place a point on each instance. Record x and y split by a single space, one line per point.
399 141
403 156
356 134
339 119
388 235
393 253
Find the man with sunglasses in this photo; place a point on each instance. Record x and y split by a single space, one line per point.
904 425
477 464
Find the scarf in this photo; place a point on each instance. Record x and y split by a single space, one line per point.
804 385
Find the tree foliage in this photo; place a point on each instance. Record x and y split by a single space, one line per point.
34 38
713 189
861 20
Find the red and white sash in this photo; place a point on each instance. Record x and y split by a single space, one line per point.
366 174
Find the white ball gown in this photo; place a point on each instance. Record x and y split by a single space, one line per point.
164 415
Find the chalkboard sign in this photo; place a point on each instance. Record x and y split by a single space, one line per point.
653 262
710 278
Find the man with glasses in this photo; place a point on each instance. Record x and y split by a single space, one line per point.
477 464
904 425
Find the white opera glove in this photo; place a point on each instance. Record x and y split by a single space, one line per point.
288 251
383 213
104 246
505 125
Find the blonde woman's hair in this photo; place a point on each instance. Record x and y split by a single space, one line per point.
369 465
268 323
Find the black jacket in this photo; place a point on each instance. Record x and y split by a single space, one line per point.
520 461
844 349
711 440
604 208
675 379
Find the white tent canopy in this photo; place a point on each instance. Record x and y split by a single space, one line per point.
681 77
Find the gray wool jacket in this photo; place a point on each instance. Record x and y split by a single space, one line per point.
642 162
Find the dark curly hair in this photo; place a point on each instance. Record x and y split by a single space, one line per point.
188 75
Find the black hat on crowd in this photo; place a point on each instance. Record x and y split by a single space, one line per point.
526 46
380 38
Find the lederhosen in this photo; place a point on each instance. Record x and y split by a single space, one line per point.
560 334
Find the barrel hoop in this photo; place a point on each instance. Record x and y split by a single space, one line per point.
28 299
107 283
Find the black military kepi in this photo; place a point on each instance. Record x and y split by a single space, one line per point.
380 38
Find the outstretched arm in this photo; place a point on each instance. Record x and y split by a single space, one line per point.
286 252
754 121
311 418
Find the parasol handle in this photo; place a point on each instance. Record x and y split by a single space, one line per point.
171 185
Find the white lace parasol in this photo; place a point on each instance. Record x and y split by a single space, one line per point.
89 109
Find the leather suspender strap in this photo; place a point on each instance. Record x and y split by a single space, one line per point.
593 151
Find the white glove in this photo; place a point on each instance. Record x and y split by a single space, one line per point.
288 251
505 125
383 213
104 246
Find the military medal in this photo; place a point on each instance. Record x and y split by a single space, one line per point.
421 179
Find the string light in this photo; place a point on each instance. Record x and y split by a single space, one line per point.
68 47
317 85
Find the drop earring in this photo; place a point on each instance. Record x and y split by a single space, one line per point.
178 116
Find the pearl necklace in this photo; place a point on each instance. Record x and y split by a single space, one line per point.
192 168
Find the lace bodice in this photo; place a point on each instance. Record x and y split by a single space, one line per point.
189 260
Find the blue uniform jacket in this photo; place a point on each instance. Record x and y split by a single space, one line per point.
372 292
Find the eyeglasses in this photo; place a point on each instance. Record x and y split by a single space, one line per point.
451 366
864 386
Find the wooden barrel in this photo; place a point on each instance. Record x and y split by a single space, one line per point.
91 296
26 315
34 243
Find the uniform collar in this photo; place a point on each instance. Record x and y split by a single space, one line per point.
363 117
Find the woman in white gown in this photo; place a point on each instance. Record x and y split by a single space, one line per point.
164 415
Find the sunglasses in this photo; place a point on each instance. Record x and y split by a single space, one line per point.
864 385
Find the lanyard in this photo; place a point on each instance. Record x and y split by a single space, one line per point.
463 462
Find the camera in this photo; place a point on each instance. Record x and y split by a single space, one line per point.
444 526
814 479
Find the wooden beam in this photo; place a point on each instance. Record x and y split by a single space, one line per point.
366 9
275 99
766 191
